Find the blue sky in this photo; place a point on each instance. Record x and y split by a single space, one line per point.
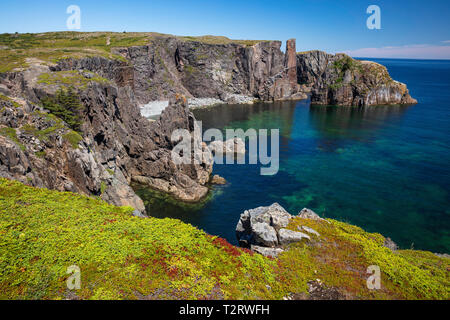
409 28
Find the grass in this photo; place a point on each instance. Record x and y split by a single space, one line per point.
12 135
15 49
346 251
71 78
124 257
74 138
121 257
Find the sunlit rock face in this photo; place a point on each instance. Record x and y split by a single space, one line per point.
340 80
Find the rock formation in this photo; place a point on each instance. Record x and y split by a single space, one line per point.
264 229
340 80
115 145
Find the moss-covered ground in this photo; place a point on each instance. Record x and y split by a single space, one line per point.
44 232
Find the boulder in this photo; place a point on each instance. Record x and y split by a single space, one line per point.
288 236
388 243
266 227
267 252
309 214
272 218
310 230
216 179
264 235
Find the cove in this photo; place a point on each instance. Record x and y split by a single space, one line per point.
383 168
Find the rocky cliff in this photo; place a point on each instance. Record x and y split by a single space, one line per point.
340 80
113 145
169 65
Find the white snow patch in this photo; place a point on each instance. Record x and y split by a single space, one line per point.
153 108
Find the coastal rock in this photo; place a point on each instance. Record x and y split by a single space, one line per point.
264 234
265 227
208 73
216 179
233 147
115 143
310 230
288 236
267 252
388 243
340 80
309 214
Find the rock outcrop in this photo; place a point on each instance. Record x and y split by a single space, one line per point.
263 229
114 146
340 80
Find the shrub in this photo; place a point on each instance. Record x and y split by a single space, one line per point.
65 105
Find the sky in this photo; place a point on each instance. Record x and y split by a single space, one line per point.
409 28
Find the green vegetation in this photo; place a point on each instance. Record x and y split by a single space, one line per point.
53 46
40 154
74 138
69 79
124 257
66 105
345 253
11 101
12 135
120 256
341 66
103 187
220 40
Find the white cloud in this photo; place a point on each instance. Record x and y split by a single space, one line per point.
446 41
416 51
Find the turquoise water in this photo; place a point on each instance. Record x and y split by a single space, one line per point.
384 168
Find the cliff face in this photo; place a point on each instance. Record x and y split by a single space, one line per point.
168 65
114 145
201 70
340 80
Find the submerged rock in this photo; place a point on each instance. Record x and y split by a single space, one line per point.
233 147
216 179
